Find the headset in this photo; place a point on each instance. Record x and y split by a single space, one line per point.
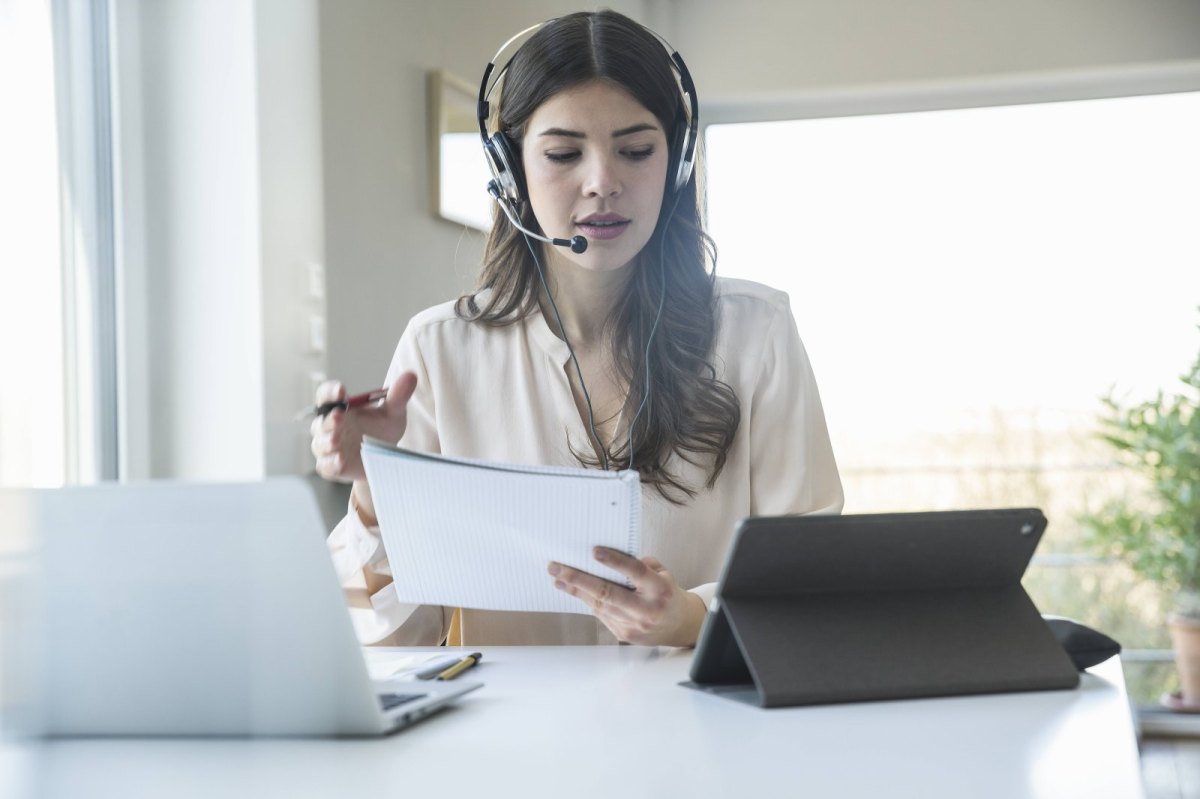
508 188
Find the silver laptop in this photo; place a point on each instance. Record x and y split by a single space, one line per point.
174 608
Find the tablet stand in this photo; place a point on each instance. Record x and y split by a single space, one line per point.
814 610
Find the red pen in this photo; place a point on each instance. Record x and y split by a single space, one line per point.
357 401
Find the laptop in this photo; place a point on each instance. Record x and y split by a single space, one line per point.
823 609
195 609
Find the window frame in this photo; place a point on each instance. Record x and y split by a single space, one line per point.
83 100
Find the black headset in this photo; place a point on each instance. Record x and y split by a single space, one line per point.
504 161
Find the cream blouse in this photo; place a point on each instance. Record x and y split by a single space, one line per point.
502 393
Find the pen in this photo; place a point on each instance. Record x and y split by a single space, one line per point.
461 666
357 401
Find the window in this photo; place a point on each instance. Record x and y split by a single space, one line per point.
968 284
31 320
58 413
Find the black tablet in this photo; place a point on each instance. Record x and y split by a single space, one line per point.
822 609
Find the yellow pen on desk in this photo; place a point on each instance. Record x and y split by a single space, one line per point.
461 666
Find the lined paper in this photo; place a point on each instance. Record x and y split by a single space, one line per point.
480 534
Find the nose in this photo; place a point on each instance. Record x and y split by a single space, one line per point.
602 178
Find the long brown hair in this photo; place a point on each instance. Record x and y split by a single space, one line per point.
689 412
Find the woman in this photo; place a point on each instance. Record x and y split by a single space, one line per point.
627 354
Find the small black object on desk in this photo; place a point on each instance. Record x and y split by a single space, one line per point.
1086 647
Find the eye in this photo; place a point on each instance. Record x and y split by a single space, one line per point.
640 153
562 156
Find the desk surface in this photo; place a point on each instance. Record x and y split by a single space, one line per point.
578 722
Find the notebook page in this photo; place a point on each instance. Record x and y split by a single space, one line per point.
480 535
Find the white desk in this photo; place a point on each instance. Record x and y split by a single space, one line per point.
610 721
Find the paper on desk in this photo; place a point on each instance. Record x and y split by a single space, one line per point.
384 665
479 534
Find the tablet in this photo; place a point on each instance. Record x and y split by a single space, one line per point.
823 609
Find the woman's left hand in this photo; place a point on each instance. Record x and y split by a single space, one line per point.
655 612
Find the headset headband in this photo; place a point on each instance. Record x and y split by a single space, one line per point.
506 169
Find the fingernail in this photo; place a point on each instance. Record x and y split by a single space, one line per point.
600 554
559 584
554 568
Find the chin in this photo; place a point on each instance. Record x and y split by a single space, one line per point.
603 264
602 257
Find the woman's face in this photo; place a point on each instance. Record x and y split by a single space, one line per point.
595 164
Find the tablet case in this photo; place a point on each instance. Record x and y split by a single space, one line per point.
824 609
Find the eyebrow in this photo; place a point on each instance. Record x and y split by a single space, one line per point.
616 134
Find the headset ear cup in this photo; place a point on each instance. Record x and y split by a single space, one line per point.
673 164
506 166
498 164
682 170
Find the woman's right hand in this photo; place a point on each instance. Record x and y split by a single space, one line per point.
337 436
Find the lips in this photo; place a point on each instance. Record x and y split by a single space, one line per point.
602 227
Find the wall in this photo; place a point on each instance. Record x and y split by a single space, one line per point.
292 224
197 282
219 186
773 47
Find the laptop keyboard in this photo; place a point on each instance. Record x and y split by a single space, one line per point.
390 701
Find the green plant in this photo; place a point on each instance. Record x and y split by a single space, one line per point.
1157 531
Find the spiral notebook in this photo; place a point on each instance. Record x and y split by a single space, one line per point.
480 534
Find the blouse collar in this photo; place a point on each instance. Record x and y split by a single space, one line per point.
541 332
